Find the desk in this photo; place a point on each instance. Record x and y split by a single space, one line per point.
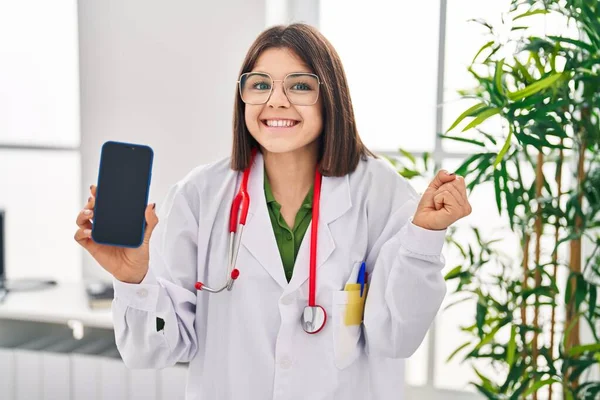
64 303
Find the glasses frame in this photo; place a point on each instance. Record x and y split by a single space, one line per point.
239 82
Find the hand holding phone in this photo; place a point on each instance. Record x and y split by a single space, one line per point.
126 264
116 224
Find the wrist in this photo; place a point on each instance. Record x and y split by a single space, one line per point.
423 225
132 279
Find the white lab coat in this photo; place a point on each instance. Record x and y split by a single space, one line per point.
249 343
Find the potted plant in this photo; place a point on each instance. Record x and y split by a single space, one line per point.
546 96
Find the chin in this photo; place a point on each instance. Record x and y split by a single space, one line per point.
281 148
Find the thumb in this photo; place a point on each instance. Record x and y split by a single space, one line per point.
441 177
151 221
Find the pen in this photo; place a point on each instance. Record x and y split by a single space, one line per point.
361 277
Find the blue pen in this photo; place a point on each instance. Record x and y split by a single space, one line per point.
361 277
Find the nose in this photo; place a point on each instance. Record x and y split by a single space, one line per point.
278 97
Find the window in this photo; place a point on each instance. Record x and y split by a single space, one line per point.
39 137
391 65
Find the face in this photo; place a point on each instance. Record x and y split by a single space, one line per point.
278 125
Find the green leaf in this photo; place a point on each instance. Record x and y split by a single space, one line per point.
461 139
489 137
512 346
569 289
425 159
455 352
498 77
529 13
592 301
574 42
578 350
510 196
408 155
538 385
580 291
482 117
488 394
523 70
485 46
505 147
470 111
534 87
458 302
489 337
453 273
463 169
480 317
487 383
498 189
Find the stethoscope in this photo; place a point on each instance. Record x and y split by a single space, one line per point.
314 316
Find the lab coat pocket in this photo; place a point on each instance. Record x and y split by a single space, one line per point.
347 326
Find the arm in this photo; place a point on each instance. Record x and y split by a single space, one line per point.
166 292
406 286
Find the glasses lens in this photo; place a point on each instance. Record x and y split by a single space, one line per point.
302 89
255 88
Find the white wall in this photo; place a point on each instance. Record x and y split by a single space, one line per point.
161 73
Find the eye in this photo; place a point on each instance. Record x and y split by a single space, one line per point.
261 86
301 86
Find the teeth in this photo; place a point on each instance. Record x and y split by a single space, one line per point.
280 123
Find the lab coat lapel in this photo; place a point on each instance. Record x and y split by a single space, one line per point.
335 202
258 236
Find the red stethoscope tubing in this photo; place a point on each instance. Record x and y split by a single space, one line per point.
312 276
241 202
241 199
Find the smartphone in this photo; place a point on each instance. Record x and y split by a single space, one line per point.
122 194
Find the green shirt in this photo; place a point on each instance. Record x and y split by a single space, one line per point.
288 240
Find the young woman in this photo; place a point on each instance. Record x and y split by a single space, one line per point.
324 217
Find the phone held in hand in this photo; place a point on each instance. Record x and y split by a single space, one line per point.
122 194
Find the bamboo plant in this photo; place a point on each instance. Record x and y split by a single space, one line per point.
546 97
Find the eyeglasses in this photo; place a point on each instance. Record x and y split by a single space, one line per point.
301 89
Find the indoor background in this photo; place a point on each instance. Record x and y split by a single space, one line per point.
163 73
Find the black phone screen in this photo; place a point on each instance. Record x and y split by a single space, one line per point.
122 194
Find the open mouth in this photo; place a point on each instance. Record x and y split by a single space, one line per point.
279 123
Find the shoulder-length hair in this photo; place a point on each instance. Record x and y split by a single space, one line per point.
340 147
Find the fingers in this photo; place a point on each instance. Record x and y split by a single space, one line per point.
84 220
151 221
84 217
455 194
443 200
454 188
82 235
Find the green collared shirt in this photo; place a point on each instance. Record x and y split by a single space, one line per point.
288 240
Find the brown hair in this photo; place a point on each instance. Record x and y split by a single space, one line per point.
340 147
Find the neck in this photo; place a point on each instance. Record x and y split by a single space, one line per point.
291 174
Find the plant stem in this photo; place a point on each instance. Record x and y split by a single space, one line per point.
539 184
555 255
575 261
526 239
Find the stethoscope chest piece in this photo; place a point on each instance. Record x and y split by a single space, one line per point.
313 319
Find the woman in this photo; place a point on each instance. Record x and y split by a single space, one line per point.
284 331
